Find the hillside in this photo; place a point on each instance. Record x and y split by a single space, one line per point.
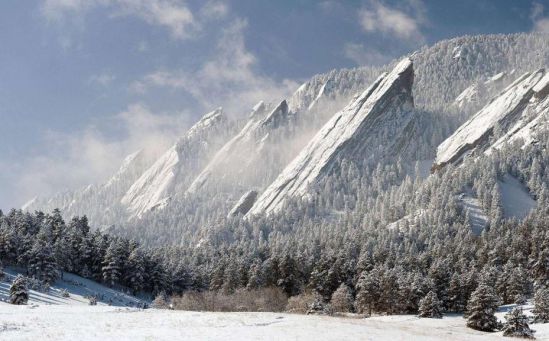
78 288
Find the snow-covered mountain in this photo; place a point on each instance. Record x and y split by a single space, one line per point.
101 203
174 170
513 111
212 170
365 129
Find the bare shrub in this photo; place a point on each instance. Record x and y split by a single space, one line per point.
301 303
342 299
263 299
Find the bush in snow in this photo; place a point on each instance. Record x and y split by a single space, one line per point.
318 306
65 293
300 303
429 306
541 306
262 299
18 291
342 299
517 325
160 301
481 308
92 300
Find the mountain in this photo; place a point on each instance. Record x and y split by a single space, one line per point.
525 100
453 80
365 129
241 151
101 203
175 169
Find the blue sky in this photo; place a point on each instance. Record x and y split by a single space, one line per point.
85 82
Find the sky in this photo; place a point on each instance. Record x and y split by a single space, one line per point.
84 83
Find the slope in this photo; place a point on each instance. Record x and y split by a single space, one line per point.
380 113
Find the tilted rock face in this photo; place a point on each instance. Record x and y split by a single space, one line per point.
244 204
243 150
175 168
511 111
367 129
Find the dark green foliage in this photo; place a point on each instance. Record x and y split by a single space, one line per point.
19 293
517 325
481 309
429 306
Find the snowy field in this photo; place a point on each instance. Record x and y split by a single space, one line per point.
50 316
79 322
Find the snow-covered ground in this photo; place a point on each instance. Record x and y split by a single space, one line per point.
79 322
516 201
79 290
49 316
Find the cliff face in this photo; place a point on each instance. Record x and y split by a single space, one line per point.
516 111
367 128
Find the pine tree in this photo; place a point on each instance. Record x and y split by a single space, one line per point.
41 261
541 306
136 271
113 264
517 325
481 309
429 306
368 294
18 291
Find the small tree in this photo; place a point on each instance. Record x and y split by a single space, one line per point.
342 299
93 300
18 291
541 306
517 325
429 306
481 309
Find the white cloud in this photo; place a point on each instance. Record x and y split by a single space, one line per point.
228 78
540 22
362 56
89 156
214 10
103 79
175 15
403 22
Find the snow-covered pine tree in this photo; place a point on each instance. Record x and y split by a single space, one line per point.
368 291
342 299
541 306
517 325
18 291
481 308
429 306
113 263
136 271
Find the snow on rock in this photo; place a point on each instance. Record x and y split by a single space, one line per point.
155 186
495 78
457 52
534 119
467 96
244 204
477 218
408 221
515 198
241 151
383 110
503 111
